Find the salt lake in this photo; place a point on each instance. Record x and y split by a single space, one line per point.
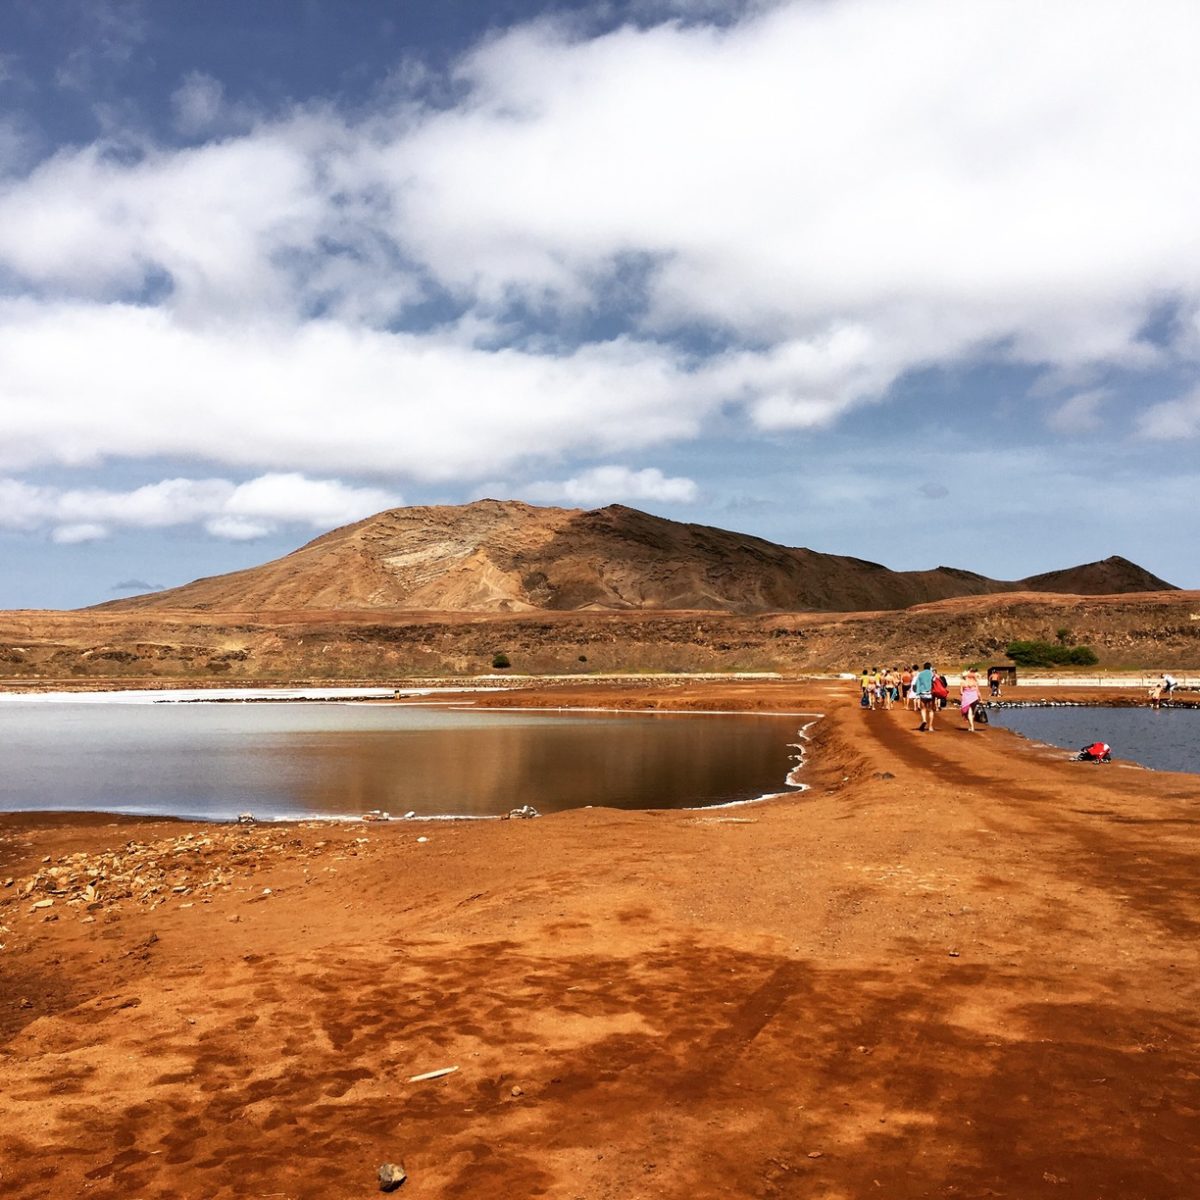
1167 739
333 758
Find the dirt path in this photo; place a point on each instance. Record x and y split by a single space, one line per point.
958 966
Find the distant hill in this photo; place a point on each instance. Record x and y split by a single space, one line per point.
1111 577
506 556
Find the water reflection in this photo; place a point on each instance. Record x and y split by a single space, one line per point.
277 760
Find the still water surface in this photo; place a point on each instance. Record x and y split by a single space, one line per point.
288 760
1168 740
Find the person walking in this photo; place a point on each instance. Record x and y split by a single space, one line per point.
969 696
925 700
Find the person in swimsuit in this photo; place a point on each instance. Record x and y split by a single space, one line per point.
969 696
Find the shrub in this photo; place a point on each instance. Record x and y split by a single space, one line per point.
1050 654
500 661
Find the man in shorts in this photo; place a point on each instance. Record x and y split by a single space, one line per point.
927 705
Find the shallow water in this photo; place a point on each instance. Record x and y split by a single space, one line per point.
329 759
1168 740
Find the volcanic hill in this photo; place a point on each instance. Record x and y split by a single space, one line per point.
510 557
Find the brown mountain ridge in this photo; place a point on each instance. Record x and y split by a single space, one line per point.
507 556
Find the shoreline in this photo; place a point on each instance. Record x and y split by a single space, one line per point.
953 965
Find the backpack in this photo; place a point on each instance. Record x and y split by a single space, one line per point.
939 689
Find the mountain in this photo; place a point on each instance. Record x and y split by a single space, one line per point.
506 556
1113 576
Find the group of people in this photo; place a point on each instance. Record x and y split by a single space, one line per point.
925 691
1162 689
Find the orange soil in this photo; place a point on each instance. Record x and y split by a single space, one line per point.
958 966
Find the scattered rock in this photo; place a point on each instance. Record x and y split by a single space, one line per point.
524 813
246 819
518 1091
422 839
391 1176
41 904
376 815
815 1154
883 775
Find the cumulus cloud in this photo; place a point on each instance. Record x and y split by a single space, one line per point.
608 484
238 511
321 396
831 195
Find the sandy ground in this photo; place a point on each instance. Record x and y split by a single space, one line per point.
957 966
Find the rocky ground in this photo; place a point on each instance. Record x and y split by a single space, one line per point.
957 966
158 648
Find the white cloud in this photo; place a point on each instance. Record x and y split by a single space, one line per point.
843 192
238 529
608 484
1172 419
85 531
197 103
138 383
1080 413
227 510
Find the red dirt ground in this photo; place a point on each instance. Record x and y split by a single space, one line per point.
956 967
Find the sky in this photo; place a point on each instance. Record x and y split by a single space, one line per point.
917 282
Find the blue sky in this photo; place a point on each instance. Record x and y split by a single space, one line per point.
915 282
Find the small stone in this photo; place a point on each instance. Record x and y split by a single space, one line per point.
518 1091
246 818
814 1154
391 1176
8 882
41 904
525 813
233 919
422 839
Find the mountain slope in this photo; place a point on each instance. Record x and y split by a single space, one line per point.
506 556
